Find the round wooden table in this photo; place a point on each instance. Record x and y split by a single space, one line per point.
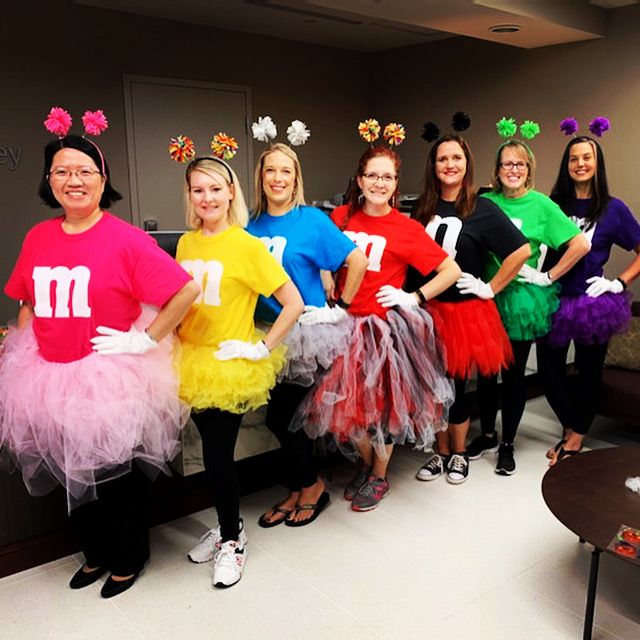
587 493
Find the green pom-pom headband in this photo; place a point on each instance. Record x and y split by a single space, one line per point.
507 128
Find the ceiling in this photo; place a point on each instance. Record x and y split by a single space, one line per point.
375 25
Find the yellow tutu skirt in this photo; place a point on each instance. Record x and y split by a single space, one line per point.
235 385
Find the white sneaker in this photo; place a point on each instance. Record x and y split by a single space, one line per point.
229 563
206 549
209 544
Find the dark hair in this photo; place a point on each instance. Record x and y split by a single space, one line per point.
109 195
354 193
564 189
431 188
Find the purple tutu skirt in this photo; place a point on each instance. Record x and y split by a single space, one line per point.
84 422
389 387
588 320
312 349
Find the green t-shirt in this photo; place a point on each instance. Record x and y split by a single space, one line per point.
541 221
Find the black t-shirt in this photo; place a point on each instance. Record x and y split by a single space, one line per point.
468 241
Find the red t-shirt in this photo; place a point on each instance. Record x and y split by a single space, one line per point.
391 242
77 282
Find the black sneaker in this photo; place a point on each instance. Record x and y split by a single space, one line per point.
482 444
506 463
458 468
432 469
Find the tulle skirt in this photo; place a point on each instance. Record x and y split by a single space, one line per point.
526 309
312 349
389 388
235 385
473 337
83 422
590 320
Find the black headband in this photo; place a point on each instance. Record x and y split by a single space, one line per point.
222 162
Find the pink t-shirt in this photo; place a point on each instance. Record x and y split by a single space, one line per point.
77 282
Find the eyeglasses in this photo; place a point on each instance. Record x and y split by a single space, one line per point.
387 178
64 174
520 166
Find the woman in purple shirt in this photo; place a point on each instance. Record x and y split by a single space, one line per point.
592 307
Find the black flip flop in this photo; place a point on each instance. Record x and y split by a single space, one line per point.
558 445
316 508
267 524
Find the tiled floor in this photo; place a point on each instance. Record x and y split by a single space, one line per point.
483 560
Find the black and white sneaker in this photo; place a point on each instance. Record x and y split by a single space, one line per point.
458 468
506 463
482 445
432 469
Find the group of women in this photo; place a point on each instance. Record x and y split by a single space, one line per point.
350 330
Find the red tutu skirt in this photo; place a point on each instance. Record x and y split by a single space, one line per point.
473 337
390 387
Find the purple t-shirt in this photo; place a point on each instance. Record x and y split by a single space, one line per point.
617 225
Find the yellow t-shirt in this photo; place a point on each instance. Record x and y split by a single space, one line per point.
232 269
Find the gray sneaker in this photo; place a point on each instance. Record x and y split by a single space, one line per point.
356 482
370 494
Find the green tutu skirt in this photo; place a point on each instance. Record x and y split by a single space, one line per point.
526 309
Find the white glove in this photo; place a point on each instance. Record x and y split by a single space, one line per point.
389 296
317 315
599 285
111 342
231 349
533 276
468 283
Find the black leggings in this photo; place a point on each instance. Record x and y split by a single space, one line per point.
296 446
514 396
459 412
574 401
113 529
219 432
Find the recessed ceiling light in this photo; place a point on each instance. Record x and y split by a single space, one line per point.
505 28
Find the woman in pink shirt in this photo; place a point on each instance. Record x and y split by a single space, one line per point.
87 381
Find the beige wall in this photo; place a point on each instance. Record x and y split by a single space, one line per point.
75 57
584 80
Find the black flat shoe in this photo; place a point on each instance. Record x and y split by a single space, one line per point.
115 587
83 579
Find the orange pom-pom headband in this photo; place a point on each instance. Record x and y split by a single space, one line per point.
393 133
223 147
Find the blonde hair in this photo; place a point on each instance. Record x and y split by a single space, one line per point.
525 153
238 214
261 203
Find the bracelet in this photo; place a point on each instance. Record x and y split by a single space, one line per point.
341 303
548 274
622 282
150 336
265 346
421 297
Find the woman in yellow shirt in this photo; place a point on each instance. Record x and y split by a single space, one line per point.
227 368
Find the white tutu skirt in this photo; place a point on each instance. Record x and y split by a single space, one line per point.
84 422
312 349
389 388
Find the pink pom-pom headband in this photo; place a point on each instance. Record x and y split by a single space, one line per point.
59 122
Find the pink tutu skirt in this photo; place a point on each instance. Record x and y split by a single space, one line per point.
84 422
312 349
390 387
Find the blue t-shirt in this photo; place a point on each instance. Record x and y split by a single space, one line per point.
303 241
